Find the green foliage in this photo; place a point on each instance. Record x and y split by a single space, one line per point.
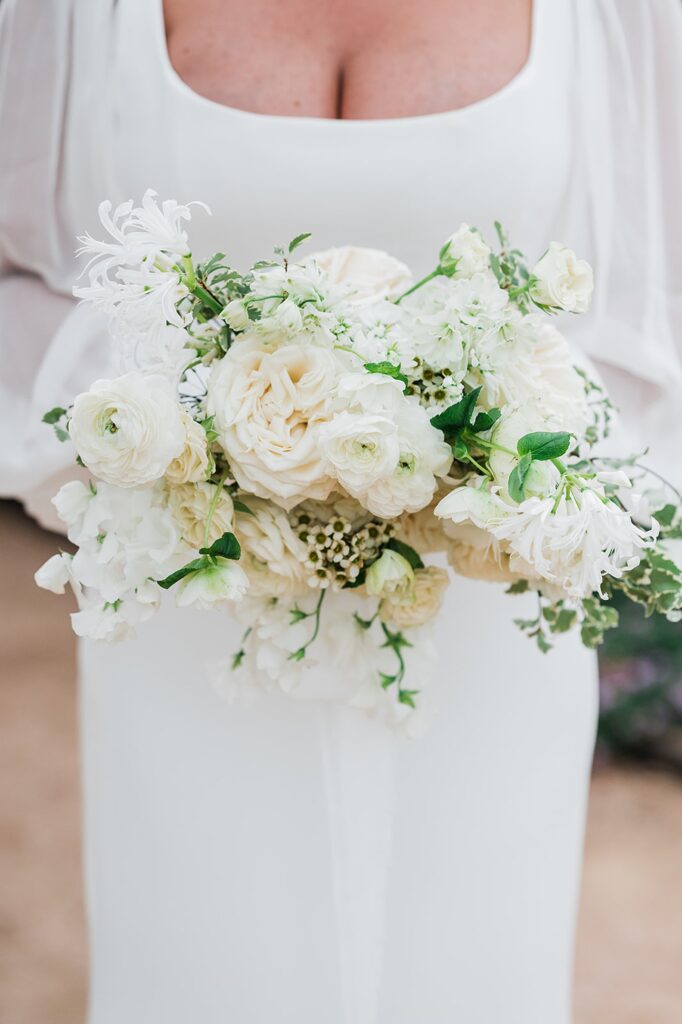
543 445
655 584
599 617
458 416
518 476
408 553
299 240
226 546
388 369
56 418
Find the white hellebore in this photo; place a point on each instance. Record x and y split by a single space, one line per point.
562 280
268 407
127 430
391 576
221 582
466 252
363 274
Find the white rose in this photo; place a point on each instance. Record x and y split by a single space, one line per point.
268 408
562 280
366 274
361 448
54 574
271 551
466 251
190 504
191 464
127 430
391 575
236 315
212 586
427 597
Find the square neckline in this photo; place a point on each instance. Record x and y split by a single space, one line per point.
179 83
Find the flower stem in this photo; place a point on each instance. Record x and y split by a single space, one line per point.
425 280
212 507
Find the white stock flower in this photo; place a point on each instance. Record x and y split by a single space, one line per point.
54 574
191 464
216 584
363 274
467 250
127 430
562 280
190 505
390 576
273 555
268 408
426 599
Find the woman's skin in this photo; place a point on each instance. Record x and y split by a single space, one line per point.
348 58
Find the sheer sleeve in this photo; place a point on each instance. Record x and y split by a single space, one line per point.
629 130
49 348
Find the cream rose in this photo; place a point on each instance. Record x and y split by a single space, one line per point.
268 408
562 280
191 464
427 596
190 505
367 274
127 430
272 553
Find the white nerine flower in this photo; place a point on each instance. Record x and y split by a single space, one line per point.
191 464
208 588
268 408
127 430
563 281
467 250
363 275
391 576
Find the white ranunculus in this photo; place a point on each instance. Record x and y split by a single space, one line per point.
190 505
268 408
562 280
361 448
213 586
363 274
427 596
272 553
390 576
467 251
191 464
127 430
54 574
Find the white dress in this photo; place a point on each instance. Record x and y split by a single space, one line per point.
295 862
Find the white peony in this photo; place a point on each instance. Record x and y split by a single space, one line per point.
272 553
268 408
127 430
213 586
466 251
427 592
562 280
191 464
190 505
390 576
363 274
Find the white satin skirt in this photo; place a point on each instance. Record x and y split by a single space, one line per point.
299 863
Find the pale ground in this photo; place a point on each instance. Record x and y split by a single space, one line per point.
629 967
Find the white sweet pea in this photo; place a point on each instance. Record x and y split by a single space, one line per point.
54 574
224 581
466 251
391 576
363 275
562 280
127 430
71 501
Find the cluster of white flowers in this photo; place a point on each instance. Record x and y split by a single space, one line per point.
318 429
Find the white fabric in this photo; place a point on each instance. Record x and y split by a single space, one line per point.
294 862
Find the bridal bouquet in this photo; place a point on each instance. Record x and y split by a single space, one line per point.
310 443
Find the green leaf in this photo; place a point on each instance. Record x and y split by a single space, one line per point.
518 587
460 450
387 368
299 240
517 478
54 415
457 416
408 553
239 506
62 435
407 697
485 420
543 445
386 680
194 566
226 546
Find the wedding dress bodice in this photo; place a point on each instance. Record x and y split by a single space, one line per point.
294 861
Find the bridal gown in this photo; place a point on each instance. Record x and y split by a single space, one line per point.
294 861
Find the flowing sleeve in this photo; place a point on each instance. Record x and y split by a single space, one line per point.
49 348
629 135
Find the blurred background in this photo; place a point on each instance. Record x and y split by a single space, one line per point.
629 960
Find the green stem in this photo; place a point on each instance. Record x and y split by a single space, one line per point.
212 507
425 280
190 276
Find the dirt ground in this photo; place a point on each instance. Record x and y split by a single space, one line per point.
629 961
